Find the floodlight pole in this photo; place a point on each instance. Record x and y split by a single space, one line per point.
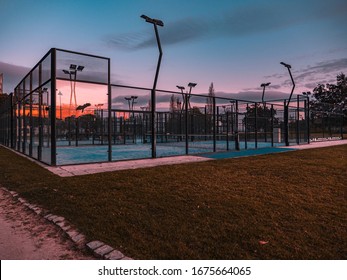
190 85
264 85
183 96
286 106
73 71
291 77
60 94
128 99
307 114
155 22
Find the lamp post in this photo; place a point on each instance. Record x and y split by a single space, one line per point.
286 106
128 99
291 77
264 85
183 96
72 72
190 85
307 114
186 97
131 102
133 98
155 23
60 94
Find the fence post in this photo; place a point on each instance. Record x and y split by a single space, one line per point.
186 123
109 107
297 121
227 132
256 125
237 135
272 125
308 118
53 110
214 123
286 124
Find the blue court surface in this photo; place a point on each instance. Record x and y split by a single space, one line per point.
98 153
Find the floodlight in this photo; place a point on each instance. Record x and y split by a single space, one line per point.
127 98
265 84
180 87
153 20
80 68
192 85
134 97
286 65
145 17
66 72
73 66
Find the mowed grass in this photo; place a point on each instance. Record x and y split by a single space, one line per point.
295 201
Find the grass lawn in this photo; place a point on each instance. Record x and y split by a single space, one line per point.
295 201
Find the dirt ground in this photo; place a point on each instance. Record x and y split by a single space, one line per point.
24 235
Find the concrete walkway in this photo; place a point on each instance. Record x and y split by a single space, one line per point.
91 168
84 169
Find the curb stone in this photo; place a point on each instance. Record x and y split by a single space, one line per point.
98 248
103 250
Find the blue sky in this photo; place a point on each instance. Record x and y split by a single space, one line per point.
237 45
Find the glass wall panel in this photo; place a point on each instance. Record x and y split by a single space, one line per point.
35 136
35 78
131 123
81 67
26 124
46 123
81 122
46 69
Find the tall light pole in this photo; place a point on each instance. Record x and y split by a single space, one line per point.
190 85
131 102
286 106
291 77
133 98
155 23
128 99
264 85
60 94
183 97
307 114
72 72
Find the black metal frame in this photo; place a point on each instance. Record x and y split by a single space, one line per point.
191 126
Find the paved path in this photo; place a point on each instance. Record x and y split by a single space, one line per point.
318 144
83 169
25 235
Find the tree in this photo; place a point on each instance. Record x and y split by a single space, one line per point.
209 100
174 103
263 117
331 98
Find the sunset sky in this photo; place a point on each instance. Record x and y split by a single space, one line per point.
236 44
